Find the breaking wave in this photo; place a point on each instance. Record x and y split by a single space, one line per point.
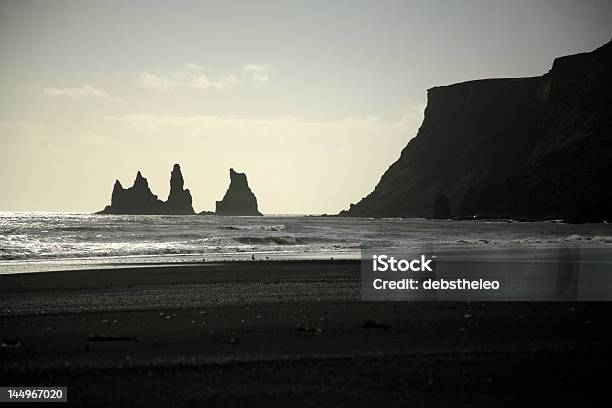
279 227
281 240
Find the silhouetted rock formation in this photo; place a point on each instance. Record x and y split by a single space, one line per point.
441 207
179 200
239 199
139 199
527 148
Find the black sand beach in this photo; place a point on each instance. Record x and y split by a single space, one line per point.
288 333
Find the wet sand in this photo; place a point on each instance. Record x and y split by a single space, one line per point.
289 333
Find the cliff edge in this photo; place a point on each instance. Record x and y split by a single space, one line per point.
523 148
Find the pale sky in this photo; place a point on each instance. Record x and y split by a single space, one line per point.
312 99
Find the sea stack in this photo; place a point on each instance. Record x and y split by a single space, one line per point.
179 199
239 199
139 199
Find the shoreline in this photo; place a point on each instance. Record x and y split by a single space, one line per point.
485 248
84 264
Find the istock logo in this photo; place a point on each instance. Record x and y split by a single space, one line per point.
384 263
494 274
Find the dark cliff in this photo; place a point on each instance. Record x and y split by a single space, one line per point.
526 148
139 199
239 199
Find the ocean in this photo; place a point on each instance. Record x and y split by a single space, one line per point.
54 241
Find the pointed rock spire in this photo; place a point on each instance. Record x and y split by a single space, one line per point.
179 200
239 199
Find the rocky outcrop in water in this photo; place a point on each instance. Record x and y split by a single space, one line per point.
239 199
179 199
526 148
139 199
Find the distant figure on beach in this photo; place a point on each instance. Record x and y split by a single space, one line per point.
253 257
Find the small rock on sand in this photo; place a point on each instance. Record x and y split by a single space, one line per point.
371 324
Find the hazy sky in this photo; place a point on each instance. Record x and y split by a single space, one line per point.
313 100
